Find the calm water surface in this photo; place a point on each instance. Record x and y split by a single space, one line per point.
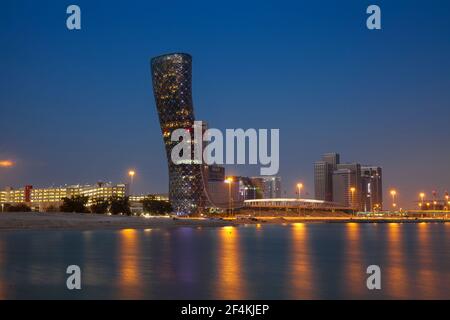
299 261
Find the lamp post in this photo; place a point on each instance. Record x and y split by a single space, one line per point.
131 174
299 187
5 164
434 199
422 196
299 193
447 203
352 191
393 195
229 181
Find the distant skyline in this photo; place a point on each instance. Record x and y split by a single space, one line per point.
78 106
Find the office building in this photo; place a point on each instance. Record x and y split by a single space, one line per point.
353 173
343 182
323 176
372 190
267 187
172 81
350 184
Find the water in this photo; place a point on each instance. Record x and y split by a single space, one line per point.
299 261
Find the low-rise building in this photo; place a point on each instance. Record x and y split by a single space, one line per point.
41 199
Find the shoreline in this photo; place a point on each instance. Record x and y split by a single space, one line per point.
329 219
32 221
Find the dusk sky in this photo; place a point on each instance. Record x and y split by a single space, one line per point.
78 107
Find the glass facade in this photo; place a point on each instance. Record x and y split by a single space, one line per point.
172 78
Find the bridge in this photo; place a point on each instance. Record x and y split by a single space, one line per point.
292 203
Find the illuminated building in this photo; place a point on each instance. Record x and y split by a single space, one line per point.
343 182
372 188
345 177
142 197
171 75
289 203
40 199
334 181
267 187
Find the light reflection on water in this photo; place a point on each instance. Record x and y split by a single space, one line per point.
427 264
129 269
231 284
355 268
298 261
301 278
396 268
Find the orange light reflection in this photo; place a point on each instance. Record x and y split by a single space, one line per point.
355 273
129 280
302 277
231 283
396 271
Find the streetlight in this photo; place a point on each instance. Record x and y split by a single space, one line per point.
422 196
229 181
352 190
6 163
446 199
299 187
131 173
393 194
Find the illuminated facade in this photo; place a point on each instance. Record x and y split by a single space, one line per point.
171 75
142 197
43 198
267 187
285 203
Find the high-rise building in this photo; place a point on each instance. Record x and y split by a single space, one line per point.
323 176
342 183
171 75
372 190
323 187
267 187
332 158
354 178
350 184
247 189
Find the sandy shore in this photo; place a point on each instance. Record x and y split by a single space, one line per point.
80 221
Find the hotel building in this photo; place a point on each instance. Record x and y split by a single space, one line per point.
41 199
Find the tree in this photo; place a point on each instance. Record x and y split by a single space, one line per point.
158 207
100 206
75 204
119 205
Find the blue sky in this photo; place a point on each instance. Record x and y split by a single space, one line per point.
77 106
